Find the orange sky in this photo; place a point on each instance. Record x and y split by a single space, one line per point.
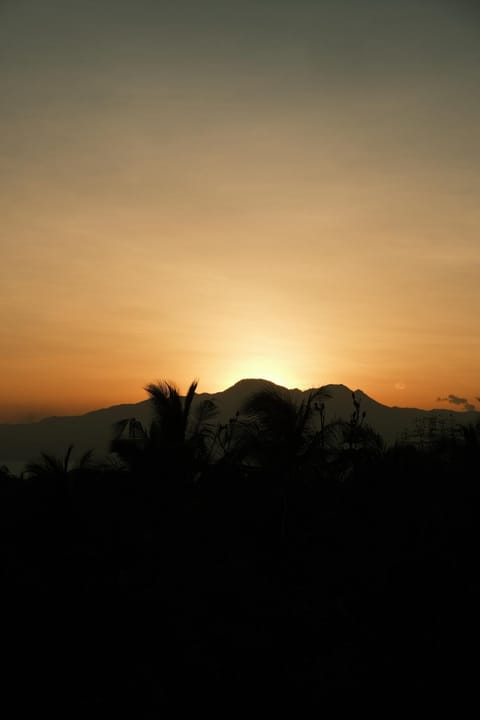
281 190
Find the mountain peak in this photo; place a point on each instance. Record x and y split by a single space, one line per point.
247 382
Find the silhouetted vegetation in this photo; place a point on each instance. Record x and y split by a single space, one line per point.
280 556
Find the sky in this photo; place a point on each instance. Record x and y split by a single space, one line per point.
219 190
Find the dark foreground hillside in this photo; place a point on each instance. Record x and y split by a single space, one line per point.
273 575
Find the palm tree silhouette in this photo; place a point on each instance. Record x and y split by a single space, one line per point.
180 436
52 467
286 432
285 439
59 473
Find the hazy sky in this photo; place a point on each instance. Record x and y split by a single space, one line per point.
265 188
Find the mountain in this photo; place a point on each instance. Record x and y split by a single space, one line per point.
20 443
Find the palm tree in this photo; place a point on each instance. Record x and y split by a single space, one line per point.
286 432
285 439
59 471
180 436
55 467
130 442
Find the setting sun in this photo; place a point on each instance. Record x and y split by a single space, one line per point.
262 366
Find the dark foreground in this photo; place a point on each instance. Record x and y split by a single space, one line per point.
121 594
303 578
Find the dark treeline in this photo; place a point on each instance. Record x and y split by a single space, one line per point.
280 557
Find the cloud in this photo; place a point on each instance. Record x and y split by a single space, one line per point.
456 400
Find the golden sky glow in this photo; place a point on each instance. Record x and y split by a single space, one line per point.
272 189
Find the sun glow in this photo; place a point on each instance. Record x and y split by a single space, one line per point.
275 369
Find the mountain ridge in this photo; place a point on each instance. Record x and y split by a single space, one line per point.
21 442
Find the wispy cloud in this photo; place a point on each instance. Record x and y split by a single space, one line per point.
457 400
454 399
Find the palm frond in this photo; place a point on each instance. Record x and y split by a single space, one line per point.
119 427
203 416
52 463
35 469
66 459
168 409
188 401
271 408
163 396
85 460
48 465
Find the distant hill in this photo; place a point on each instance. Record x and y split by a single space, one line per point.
20 443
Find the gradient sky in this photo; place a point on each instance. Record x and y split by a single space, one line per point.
265 188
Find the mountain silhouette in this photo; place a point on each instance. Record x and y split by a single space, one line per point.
21 442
